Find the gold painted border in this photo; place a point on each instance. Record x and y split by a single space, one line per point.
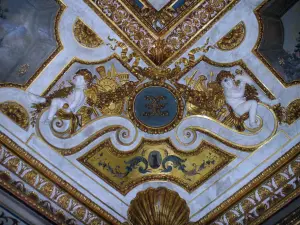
257 44
157 177
35 164
60 47
253 184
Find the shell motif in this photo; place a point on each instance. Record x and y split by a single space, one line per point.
159 206
233 39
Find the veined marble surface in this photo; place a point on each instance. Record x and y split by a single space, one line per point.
216 189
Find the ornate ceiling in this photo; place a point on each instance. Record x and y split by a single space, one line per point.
110 107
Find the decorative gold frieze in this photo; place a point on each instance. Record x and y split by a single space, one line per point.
45 207
161 50
47 188
261 197
159 206
85 36
49 184
160 21
16 113
155 160
233 38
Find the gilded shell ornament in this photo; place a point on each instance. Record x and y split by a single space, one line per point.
159 206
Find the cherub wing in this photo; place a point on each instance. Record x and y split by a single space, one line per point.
251 93
61 93
35 98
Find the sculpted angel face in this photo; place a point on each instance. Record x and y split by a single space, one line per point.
78 80
227 83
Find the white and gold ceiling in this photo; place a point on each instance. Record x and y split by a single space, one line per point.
154 115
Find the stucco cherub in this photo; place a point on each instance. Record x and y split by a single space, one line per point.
234 92
70 99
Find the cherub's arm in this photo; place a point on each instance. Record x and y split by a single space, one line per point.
243 81
77 100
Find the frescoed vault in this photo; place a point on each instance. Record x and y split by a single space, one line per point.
141 102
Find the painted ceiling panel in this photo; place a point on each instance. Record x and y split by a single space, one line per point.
196 102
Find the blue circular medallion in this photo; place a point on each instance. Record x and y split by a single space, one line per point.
155 107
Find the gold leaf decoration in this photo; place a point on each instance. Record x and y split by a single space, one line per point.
155 160
233 39
85 35
293 111
159 206
15 112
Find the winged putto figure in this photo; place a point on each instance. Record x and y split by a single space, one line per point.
229 99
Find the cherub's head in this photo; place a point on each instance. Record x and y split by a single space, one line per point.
82 77
226 79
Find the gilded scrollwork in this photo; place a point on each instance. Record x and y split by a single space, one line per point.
85 36
155 160
233 38
16 113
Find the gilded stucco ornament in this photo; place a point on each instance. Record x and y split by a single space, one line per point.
230 99
155 160
85 36
233 38
293 111
86 98
16 113
109 82
63 105
161 49
159 206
